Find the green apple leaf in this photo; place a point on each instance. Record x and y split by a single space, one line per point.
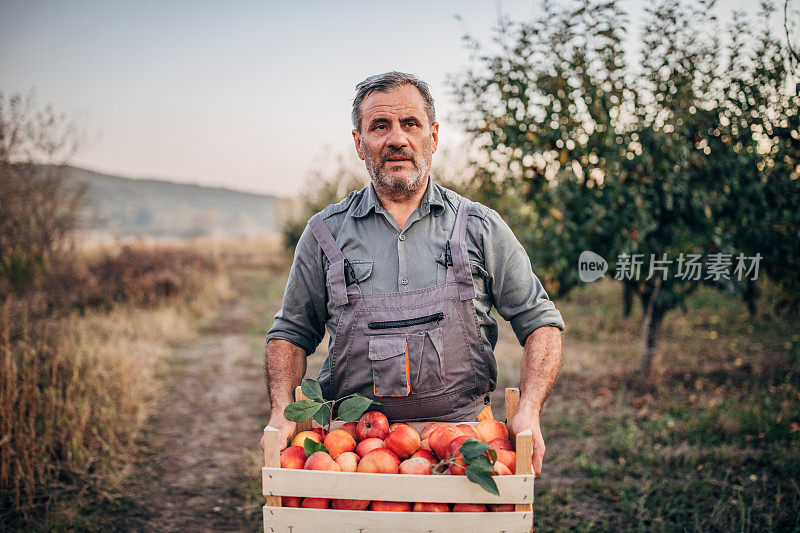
473 448
352 408
480 462
309 446
323 416
301 411
482 478
312 390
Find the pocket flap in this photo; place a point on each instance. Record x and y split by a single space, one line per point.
435 335
386 346
362 269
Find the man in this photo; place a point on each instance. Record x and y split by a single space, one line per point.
403 275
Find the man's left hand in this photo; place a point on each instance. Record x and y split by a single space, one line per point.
530 420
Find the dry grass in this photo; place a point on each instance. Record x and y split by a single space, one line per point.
77 387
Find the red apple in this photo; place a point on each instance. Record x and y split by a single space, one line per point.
301 437
455 445
321 461
403 441
453 452
440 438
347 461
488 430
315 503
428 507
366 446
322 432
416 465
425 433
509 459
350 505
291 501
380 461
350 427
398 507
397 425
501 469
426 454
293 457
372 424
501 444
339 441
469 508
468 430
501 507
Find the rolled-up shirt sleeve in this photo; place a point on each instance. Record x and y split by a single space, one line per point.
301 319
518 294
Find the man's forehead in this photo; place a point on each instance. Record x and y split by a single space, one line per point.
404 101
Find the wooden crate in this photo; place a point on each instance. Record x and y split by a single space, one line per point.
277 482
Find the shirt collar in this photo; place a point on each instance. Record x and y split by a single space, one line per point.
369 201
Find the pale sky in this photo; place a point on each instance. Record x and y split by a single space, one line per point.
239 94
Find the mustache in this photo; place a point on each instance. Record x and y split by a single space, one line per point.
395 153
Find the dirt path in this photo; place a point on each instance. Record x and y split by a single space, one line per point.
189 478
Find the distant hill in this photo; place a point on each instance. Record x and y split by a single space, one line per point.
127 207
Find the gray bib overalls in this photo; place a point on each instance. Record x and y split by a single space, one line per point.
420 352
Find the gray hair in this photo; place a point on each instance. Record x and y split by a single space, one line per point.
385 83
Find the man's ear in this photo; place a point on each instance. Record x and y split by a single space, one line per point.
435 135
359 146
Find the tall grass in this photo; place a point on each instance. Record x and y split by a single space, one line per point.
79 382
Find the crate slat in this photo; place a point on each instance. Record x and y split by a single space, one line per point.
272 458
297 520
393 487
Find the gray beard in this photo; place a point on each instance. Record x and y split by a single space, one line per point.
397 190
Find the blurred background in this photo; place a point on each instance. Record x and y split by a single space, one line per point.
158 162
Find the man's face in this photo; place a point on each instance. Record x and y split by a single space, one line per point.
396 140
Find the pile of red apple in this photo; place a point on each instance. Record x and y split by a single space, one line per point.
372 445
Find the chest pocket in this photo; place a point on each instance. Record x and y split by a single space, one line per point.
361 274
481 280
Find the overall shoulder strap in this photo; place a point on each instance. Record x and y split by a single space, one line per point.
336 258
458 251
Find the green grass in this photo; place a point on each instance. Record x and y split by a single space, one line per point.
713 445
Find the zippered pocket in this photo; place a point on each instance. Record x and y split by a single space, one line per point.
391 324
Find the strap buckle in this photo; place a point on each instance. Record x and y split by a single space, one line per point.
448 255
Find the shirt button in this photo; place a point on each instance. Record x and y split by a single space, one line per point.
403 281
402 237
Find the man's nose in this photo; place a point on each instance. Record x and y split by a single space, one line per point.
397 137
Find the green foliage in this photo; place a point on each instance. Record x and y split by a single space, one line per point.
321 410
309 447
479 467
301 410
326 186
677 156
352 408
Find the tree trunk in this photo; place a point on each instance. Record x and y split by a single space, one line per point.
750 295
651 324
627 300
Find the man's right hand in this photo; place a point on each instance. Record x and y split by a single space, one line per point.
286 428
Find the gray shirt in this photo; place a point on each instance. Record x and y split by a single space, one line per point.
389 259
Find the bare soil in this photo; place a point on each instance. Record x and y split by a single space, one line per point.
189 477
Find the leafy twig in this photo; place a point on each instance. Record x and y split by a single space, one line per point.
317 407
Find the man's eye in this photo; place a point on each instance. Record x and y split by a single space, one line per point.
380 127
